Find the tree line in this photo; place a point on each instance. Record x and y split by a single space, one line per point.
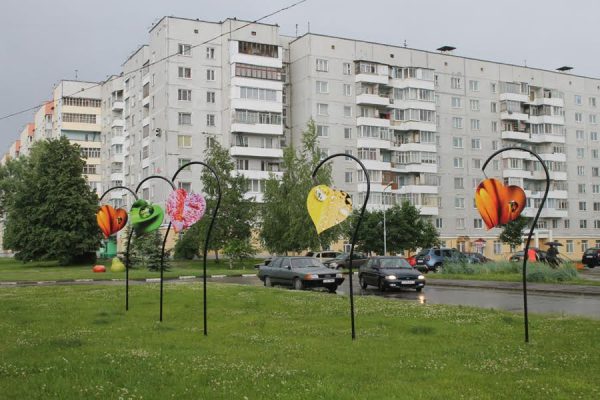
49 209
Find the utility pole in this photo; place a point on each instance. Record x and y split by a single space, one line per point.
384 228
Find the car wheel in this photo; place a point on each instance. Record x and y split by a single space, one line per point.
332 289
298 285
338 267
268 282
361 281
381 285
419 289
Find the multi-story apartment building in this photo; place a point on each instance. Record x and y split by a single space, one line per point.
422 122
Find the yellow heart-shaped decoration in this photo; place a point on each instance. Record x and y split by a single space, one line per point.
328 207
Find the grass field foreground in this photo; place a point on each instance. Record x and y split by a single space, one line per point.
72 342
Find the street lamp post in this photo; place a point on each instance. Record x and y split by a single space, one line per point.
384 229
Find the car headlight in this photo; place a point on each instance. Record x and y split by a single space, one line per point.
420 277
339 275
309 277
333 264
390 277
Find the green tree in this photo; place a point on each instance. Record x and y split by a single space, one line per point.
512 233
236 215
49 207
286 225
187 245
238 250
370 235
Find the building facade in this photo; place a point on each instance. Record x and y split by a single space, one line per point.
423 123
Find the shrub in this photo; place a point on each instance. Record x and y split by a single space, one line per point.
536 272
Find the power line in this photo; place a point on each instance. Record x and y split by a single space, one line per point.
154 62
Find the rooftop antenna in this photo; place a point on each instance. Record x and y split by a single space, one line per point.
525 62
76 74
405 45
296 30
308 26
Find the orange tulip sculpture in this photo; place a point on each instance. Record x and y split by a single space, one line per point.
499 204
110 220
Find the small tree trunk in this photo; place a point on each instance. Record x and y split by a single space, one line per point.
217 256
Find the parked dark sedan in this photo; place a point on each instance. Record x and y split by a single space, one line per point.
300 273
591 257
343 261
390 272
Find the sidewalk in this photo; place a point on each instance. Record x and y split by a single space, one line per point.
531 287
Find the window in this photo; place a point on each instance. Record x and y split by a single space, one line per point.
455 83
474 105
459 202
210 119
94 152
597 226
210 74
497 247
595 154
595 171
322 65
322 109
494 126
584 245
595 188
210 97
594 136
322 131
348 177
256 117
456 102
459 183
583 224
476 162
476 143
184 94
581 188
346 69
579 135
182 161
475 123
493 107
322 87
569 246
592 101
493 87
184 49
258 49
458 162
242 164
577 99
145 152
460 223
184 141
210 53
457 122
185 119
258 72
582 206
478 223
185 72
580 170
347 133
258 93
578 117
347 111
82 102
79 118
457 142
187 186
347 89
580 152
474 86
593 119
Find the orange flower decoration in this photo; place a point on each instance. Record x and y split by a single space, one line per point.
499 204
110 220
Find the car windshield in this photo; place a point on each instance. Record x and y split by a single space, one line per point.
394 263
306 262
342 256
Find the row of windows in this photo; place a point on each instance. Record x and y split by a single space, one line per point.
186 73
79 118
185 119
90 152
258 49
258 93
186 50
258 72
81 102
257 117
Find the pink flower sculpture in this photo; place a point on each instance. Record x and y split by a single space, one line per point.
185 209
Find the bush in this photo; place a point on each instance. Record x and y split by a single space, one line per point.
536 272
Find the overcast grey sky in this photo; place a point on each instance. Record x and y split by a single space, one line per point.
43 41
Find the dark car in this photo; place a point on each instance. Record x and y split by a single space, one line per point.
323 256
433 259
265 262
343 261
300 273
390 272
591 257
477 258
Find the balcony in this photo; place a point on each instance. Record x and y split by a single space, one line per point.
514 116
549 101
547 138
241 151
373 121
516 173
427 147
117 140
372 78
546 213
552 194
372 99
116 176
265 129
428 210
256 105
413 126
424 189
117 122
375 143
516 135
523 98
415 168
117 106
547 119
255 174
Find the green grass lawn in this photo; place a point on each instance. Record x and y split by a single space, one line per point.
74 342
13 270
